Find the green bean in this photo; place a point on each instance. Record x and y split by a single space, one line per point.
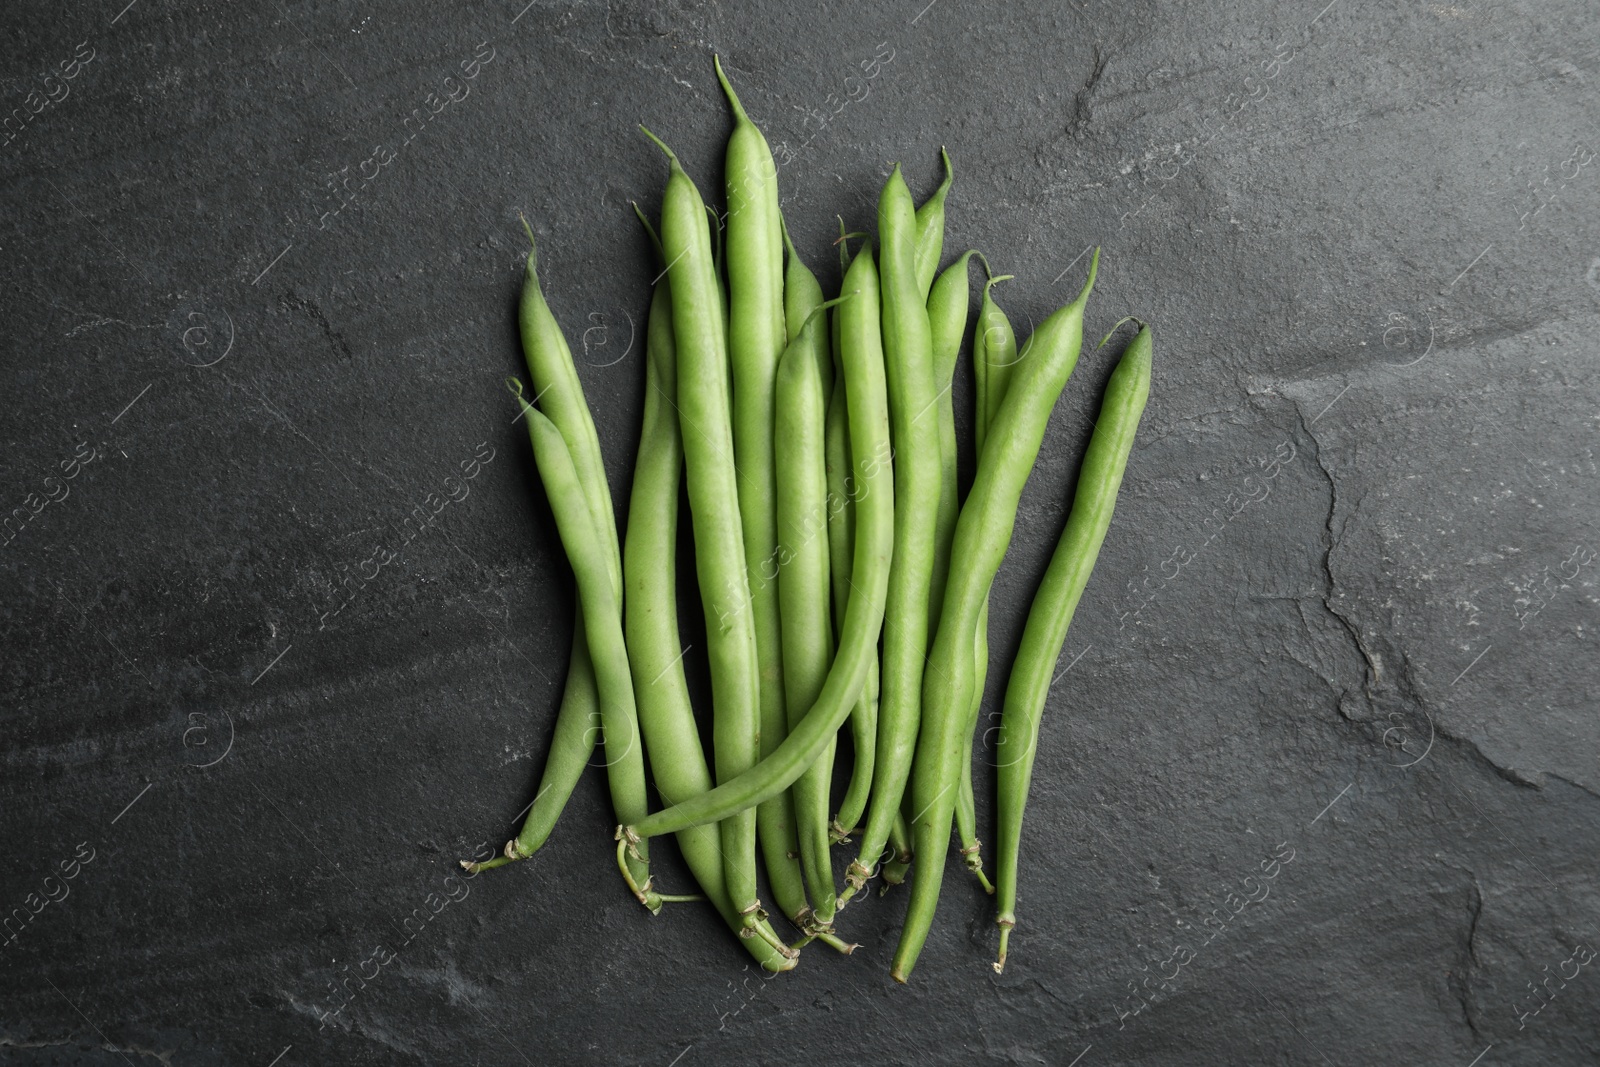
947 318
982 535
861 346
993 346
1064 580
947 321
603 621
800 521
555 382
908 359
841 536
930 230
755 341
803 587
650 619
706 424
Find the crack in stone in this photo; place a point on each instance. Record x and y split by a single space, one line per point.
1374 679
1461 984
1082 114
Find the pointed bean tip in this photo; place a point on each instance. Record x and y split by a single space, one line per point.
671 155
727 89
533 245
1119 324
1088 285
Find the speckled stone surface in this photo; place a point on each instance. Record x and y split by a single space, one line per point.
260 268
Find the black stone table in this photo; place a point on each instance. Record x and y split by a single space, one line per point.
273 662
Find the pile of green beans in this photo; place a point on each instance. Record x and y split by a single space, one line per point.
842 574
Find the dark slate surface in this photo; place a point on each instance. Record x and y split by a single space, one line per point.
1347 607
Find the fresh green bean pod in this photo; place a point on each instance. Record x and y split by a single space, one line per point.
982 535
947 317
555 382
803 586
841 538
994 353
1063 583
650 621
908 359
930 230
802 526
862 350
755 341
706 422
603 621
947 322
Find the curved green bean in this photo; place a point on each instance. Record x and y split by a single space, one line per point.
755 341
650 621
862 349
803 587
841 538
841 533
556 384
947 322
603 621
947 317
706 423
982 535
1064 580
908 359
994 353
